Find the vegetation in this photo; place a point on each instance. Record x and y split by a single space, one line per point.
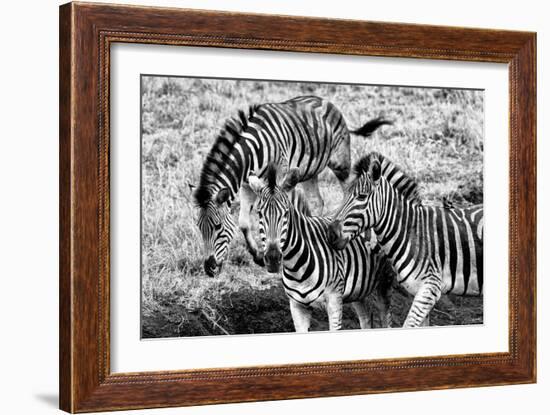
437 137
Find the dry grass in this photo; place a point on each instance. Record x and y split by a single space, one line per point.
437 138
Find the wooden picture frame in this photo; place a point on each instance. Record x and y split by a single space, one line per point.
86 33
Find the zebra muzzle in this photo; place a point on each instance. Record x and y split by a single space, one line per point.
211 267
272 259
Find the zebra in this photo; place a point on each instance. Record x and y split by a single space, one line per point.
313 273
305 131
433 250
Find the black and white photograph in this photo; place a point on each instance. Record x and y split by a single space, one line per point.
277 207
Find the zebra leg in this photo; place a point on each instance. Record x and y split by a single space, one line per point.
301 316
427 295
248 197
382 293
334 305
426 322
385 313
363 314
311 188
383 296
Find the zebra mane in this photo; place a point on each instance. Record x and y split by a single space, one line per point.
362 165
271 176
228 137
406 186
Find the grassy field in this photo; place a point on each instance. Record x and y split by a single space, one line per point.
437 138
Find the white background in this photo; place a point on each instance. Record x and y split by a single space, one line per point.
129 354
29 207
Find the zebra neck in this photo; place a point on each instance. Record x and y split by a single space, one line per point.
236 167
296 239
398 223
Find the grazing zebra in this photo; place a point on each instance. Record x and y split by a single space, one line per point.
308 131
433 250
313 273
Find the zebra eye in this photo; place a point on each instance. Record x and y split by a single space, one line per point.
217 226
361 197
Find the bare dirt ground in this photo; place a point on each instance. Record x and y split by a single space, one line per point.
437 138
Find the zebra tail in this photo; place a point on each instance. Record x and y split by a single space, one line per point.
371 126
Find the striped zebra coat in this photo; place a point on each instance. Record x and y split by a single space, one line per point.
433 250
306 132
313 273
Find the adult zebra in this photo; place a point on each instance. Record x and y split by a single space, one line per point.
313 273
433 250
308 131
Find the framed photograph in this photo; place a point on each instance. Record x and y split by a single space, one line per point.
258 207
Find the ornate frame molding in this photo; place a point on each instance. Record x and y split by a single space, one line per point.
86 34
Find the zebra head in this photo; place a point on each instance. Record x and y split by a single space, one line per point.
273 205
216 225
361 207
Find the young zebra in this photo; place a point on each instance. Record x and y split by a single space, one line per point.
433 250
313 273
309 132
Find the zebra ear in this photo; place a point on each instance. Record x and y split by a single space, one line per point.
256 184
375 171
291 179
223 196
